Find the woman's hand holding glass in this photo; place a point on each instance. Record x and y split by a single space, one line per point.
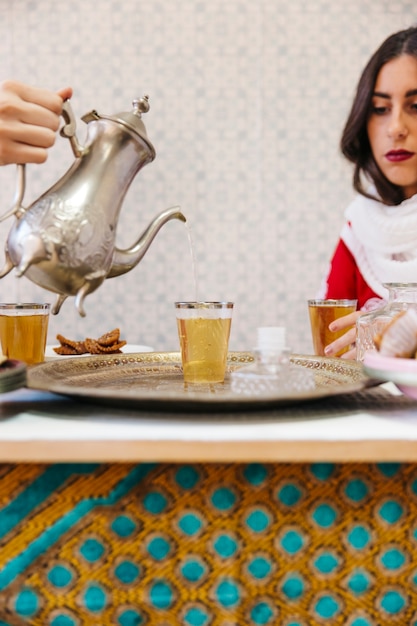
348 323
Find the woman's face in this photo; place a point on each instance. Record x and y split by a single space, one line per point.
392 122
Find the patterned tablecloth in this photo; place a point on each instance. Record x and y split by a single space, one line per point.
208 544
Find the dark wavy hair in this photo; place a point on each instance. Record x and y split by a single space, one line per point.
354 143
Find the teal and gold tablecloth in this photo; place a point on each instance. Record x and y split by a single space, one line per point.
208 544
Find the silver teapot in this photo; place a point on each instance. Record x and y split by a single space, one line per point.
65 240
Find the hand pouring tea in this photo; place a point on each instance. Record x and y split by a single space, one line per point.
65 241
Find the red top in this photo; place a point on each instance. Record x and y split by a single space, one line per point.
344 280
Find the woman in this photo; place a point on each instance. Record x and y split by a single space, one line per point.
29 119
378 243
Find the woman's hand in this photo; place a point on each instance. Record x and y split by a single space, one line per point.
348 339
29 120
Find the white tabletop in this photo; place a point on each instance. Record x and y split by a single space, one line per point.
373 425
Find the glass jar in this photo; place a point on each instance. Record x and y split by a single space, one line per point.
401 296
272 370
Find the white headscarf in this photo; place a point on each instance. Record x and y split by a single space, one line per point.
383 241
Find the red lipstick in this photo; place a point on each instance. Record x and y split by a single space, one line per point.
395 156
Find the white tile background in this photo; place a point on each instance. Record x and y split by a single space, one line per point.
248 100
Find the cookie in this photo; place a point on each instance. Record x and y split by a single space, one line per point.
109 343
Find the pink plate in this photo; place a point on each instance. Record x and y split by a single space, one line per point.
402 372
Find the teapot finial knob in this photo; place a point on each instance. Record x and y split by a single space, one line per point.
141 105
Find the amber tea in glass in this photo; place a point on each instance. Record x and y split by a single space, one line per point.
322 313
23 331
204 331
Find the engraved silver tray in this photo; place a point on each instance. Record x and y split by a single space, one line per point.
154 379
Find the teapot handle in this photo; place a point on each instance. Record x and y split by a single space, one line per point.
19 193
68 129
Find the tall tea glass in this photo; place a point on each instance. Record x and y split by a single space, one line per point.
23 331
322 313
204 331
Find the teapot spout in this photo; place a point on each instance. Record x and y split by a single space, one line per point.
125 260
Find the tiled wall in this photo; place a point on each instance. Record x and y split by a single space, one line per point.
248 100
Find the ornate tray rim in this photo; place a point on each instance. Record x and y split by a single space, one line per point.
353 379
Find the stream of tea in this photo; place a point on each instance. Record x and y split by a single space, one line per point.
193 259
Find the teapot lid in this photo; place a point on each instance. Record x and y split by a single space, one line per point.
131 119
